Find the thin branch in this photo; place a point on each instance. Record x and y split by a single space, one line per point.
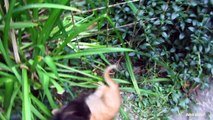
101 8
118 27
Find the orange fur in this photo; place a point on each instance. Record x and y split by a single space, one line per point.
104 103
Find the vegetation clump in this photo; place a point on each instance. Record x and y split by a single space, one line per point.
51 49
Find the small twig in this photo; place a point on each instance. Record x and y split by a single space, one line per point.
13 37
101 8
192 90
15 47
110 29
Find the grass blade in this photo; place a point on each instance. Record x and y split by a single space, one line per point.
5 53
19 25
45 80
2 117
7 23
142 91
46 5
58 87
79 71
50 23
78 29
15 92
16 73
41 105
9 87
92 52
127 59
37 113
26 111
131 73
158 80
124 114
132 6
5 67
49 61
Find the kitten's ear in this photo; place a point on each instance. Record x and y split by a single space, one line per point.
55 111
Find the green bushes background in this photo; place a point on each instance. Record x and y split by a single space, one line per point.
49 48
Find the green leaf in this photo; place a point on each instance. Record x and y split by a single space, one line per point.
176 97
91 52
19 25
174 15
77 30
37 113
40 105
49 61
132 75
7 27
158 80
175 109
9 87
79 71
59 89
49 25
13 97
3 66
26 102
142 91
164 34
45 80
192 29
184 102
133 7
46 5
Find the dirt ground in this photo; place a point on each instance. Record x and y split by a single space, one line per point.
204 108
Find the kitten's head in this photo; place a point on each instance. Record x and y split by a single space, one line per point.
75 110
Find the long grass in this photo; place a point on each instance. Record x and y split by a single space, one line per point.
41 67
61 49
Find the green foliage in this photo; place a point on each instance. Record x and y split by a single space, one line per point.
48 48
173 40
39 44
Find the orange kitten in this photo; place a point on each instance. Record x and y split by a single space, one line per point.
103 104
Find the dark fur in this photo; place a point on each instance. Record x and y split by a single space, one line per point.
103 104
80 111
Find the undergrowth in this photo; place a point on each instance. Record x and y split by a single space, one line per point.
50 50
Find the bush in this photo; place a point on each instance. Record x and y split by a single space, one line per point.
47 49
175 38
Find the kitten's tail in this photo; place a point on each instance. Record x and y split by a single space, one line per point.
107 77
